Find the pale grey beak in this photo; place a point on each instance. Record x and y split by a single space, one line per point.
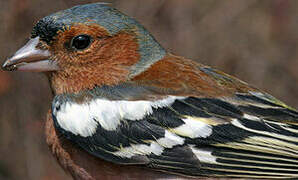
31 58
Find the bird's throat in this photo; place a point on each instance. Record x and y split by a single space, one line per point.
80 80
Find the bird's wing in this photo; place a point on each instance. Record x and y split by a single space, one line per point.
249 135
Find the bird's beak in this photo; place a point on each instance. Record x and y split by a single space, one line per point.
31 58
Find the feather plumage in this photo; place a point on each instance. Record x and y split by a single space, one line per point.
244 135
122 99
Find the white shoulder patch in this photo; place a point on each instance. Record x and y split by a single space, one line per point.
76 119
83 119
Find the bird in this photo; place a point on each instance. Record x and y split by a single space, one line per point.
125 108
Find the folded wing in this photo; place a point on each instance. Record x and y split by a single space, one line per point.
248 135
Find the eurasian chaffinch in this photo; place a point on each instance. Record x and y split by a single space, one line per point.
124 108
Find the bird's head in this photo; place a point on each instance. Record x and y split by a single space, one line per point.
87 46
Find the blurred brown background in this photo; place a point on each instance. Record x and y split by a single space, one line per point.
255 40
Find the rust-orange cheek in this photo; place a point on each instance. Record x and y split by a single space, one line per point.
106 62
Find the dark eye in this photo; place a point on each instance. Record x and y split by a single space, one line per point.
81 42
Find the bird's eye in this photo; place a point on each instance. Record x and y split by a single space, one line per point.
81 42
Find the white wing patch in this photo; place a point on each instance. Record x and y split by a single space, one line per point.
250 117
203 155
139 149
170 140
193 128
155 147
83 119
